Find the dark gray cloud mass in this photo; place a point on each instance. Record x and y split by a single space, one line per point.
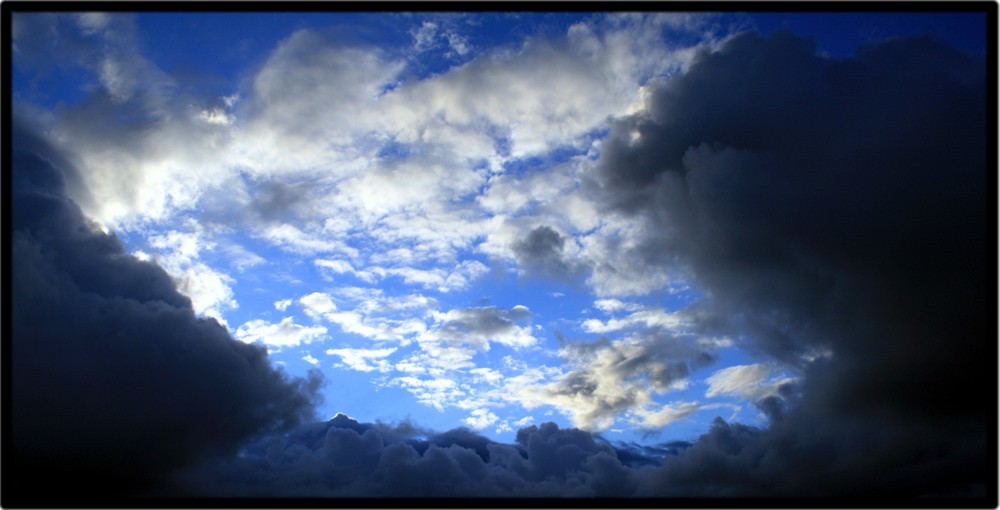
541 253
835 205
114 382
344 458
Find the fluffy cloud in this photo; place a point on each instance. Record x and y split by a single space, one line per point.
480 326
481 418
98 334
610 378
178 253
285 333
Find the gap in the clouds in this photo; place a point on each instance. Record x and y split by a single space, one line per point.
369 396
519 167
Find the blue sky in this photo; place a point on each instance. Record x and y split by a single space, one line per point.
401 202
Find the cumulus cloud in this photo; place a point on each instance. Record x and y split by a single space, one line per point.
824 206
178 253
116 381
482 325
542 252
608 379
481 418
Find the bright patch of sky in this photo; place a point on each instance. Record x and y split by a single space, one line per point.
400 201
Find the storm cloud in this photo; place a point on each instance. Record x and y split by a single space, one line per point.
835 211
115 382
345 458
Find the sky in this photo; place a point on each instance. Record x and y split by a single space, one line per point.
530 254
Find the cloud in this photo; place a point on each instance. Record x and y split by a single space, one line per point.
369 313
652 419
650 318
752 382
283 334
345 458
482 325
178 253
481 418
116 381
360 359
317 304
607 379
823 206
542 252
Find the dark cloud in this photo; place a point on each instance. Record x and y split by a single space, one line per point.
114 382
274 200
349 459
482 324
836 205
541 253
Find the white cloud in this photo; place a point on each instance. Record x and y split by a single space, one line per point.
311 360
747 381
301 242
651 417
209 290
486 375
436 392
93 22
283 334
216 116
423 37
524 422
282 305
363 359
337 266
437 278
649 318
179 252
614 305
317 304
480 419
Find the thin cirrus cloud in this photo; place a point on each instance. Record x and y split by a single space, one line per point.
719 225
